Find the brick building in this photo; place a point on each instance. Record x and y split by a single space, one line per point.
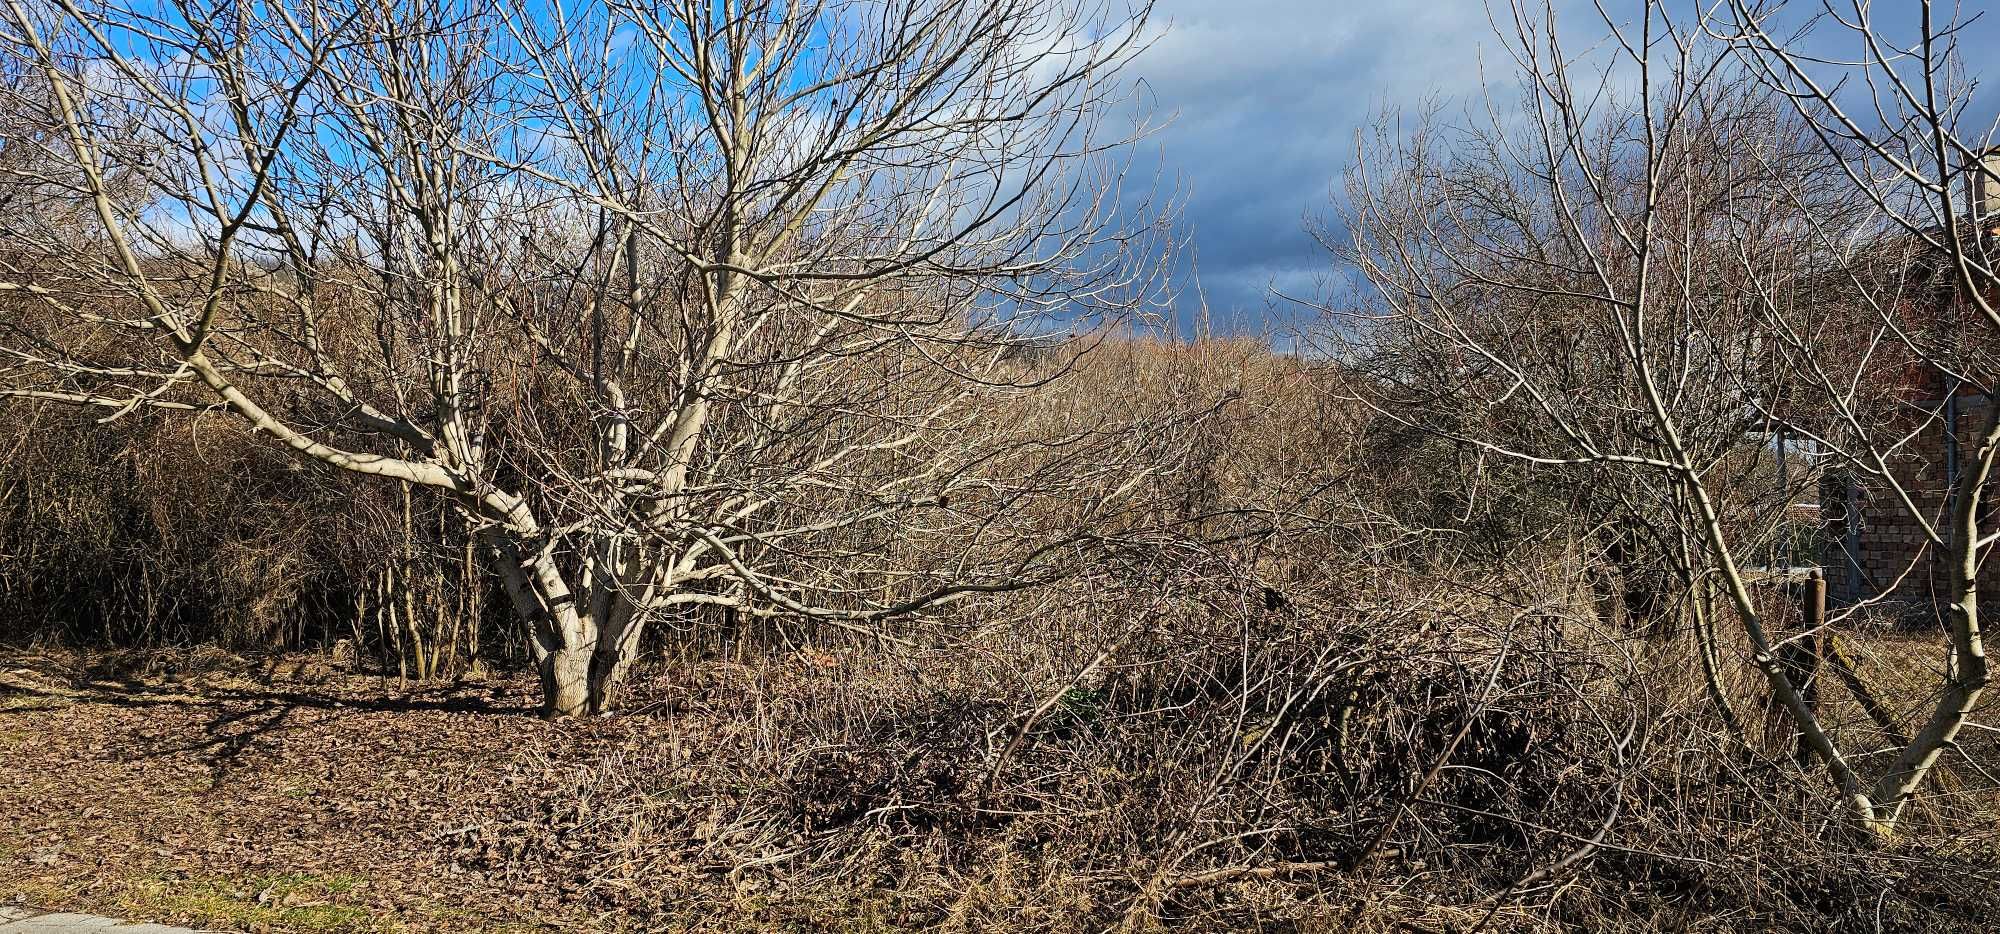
1875 547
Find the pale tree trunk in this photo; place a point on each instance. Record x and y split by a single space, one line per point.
617 646
1966 668
569 639
582 652
565 675
561 639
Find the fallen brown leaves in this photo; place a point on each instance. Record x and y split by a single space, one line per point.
232 799
112 791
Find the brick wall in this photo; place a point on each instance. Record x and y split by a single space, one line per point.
1875 544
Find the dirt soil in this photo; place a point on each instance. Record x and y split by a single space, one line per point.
290 798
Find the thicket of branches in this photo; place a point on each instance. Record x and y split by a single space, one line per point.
637 333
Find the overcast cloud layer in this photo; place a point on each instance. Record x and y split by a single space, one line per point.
1264 98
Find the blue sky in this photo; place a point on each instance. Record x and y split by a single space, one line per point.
1264 98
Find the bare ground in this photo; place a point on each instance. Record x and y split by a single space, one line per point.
278 795
260 806
304 801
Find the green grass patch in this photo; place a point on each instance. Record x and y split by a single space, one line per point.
284 902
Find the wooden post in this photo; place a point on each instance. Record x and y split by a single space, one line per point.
1802 656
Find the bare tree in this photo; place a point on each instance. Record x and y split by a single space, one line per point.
1925 172
681 304
1684 253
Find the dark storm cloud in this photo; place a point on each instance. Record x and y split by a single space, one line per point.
1264 98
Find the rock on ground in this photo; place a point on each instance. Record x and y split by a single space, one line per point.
30 921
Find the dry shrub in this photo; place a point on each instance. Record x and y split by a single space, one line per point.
1377 752
1271 696
154 532
147 533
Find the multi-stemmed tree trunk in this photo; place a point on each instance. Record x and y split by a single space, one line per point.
678 304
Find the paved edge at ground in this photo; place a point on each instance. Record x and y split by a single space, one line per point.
30 921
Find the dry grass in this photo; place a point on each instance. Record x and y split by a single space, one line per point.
1229 767
1277 698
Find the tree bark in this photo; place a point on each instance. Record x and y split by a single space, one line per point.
562 639
566 688
617 646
